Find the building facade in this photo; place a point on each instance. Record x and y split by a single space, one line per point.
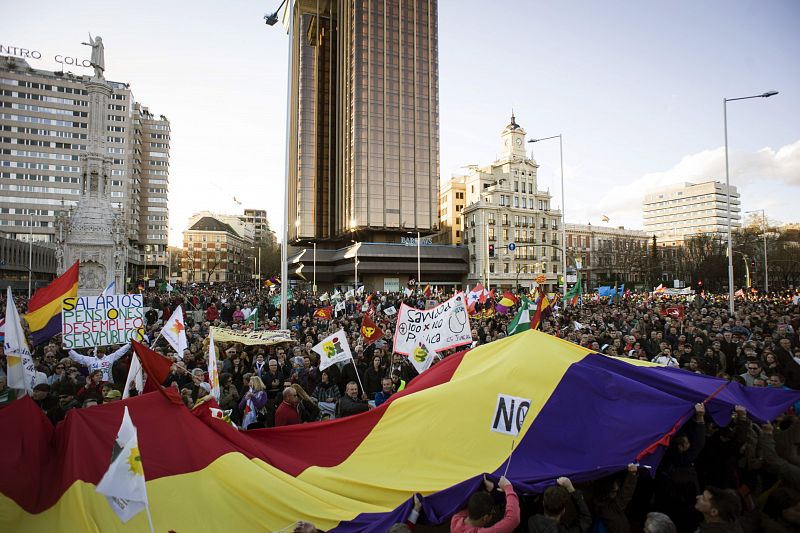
364 120
217 248
44 122
452 201
674 213
15 259
257 218
606 255
503 206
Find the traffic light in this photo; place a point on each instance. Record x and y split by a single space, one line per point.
699 283
491 250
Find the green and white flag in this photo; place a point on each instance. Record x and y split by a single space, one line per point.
522 320
252 318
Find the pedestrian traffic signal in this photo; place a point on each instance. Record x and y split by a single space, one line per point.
491 250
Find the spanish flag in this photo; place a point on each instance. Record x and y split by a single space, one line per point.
44 307
568 411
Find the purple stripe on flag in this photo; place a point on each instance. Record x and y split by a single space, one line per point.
602 414
51 329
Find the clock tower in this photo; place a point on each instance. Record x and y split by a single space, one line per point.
513 140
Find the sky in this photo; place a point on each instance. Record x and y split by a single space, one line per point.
635 88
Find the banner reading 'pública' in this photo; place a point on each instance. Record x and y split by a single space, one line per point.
101 320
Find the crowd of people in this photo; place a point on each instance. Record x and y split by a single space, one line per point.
743 477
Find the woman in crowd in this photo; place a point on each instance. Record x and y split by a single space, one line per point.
253 404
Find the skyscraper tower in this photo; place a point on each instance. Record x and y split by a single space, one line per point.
364 120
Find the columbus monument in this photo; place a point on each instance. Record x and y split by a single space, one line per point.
92 233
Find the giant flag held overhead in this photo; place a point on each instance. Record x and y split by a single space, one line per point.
626 410
44 307
21 370
333 349
174 331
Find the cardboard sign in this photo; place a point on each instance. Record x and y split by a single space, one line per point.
509 415
102 320
441 327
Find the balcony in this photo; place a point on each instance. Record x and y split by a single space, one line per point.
490 222
505 223
492 238
543 226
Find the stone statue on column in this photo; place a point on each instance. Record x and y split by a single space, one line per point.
98 61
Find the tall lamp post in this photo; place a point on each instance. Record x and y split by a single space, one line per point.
271 20
764 233
563 210
728 189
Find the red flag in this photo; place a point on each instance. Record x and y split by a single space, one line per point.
324 313
675 312
157 368
370 330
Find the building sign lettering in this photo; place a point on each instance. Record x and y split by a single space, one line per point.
27 53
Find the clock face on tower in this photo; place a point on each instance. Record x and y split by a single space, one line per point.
518 142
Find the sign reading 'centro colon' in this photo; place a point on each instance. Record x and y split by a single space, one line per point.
27 53
102 320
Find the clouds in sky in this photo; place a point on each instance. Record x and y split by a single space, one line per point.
756 175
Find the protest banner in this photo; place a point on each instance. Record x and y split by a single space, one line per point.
264 338
442 327
91 321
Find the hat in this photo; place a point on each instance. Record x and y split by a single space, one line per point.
43 387
206 387
113 394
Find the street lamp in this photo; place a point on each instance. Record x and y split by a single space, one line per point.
271 20
563 210
764 233
728 189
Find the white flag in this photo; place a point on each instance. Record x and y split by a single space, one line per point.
110 290
333 349
578 326
340 307
213 372
169 287
350 294
390 311
123 484
21 371
324 297
134 374
360 290
174 331
421 357
407 292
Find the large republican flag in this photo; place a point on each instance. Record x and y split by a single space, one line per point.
44 307
570 412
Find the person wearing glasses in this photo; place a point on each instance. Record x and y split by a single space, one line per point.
754 372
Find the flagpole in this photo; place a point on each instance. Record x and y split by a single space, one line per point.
149 518
355 368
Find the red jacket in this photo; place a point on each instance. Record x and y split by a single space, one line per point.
507 524
286 415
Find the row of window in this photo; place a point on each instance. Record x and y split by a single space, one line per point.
40 155
39 166
44 98
44 144
47 133
45 121
39 177
43 86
